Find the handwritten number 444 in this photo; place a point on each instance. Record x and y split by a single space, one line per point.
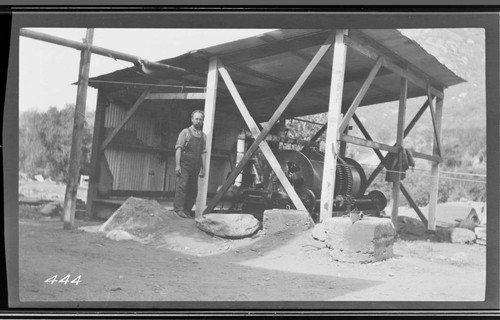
64 280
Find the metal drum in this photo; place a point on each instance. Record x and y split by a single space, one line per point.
306 170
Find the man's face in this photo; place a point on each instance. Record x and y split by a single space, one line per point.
197 120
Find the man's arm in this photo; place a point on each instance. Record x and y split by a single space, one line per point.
203 154
179 145
202 169
178 153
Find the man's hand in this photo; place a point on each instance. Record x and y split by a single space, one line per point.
178 170
202 173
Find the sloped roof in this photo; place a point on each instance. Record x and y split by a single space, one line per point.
266 66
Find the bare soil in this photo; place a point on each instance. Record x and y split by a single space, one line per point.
198 267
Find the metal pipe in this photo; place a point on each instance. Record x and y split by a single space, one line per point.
101 51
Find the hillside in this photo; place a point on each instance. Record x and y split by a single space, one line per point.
464 111
463 52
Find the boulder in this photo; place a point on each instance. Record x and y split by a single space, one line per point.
39 178
367 240
51 209
231 226
120 235
410 225
462 235
277 221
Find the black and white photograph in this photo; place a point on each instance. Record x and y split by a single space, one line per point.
189 164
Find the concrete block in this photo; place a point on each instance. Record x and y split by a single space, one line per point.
366 240
462 235
232 226
278 221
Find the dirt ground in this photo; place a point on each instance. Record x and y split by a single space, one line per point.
198 267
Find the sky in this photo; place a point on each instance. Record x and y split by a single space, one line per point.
47 71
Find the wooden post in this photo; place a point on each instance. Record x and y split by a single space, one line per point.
208 129
434 188
100 114
76 141
334 108
399 143
382 159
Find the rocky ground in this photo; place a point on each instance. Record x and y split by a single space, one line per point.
194 266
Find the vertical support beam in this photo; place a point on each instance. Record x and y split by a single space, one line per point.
334 108
95 157
76 141
399 142
434 188
208 129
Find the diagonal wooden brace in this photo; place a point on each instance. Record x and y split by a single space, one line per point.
436 135
361 94
406 132
266 150
274 118
129 115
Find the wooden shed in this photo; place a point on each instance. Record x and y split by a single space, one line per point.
279 74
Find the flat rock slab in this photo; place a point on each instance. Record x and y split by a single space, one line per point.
228 225
277 221
366 240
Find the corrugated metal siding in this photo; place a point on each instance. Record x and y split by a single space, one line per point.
135 169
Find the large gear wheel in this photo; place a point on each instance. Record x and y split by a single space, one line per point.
346 181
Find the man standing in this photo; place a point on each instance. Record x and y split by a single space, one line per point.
189 164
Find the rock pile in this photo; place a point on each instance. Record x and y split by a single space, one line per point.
138 217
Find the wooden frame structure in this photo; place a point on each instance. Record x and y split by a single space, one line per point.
318 43
334 131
